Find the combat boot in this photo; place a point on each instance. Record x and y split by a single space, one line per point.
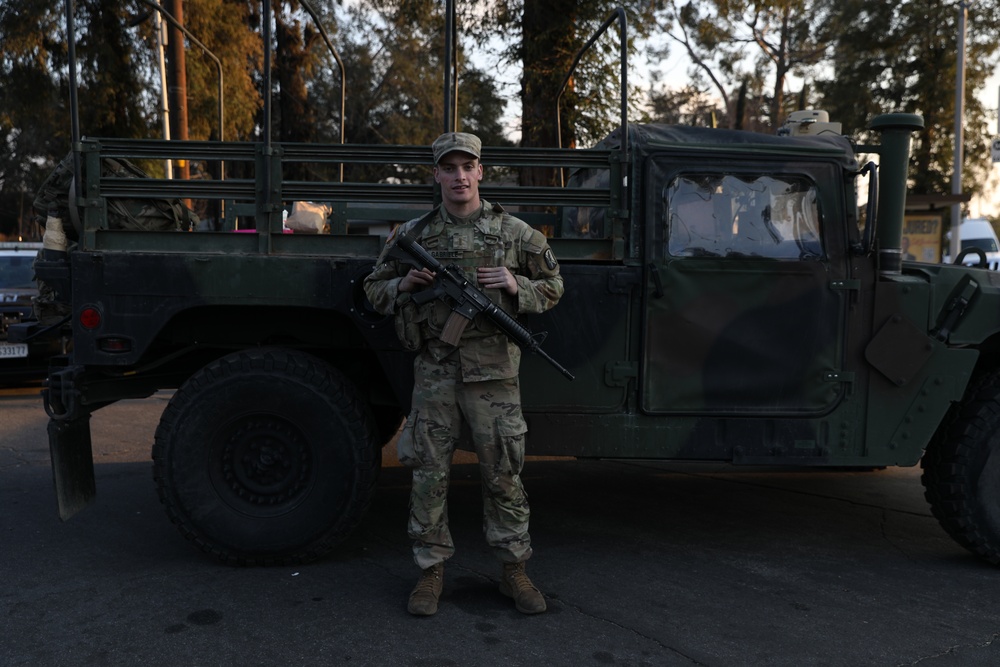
424 598
515 584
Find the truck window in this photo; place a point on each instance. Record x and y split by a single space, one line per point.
716 215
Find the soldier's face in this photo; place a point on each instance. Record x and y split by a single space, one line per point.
459 175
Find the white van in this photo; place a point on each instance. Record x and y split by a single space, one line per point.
978 233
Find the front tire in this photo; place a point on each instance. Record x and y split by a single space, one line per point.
266 457
961 471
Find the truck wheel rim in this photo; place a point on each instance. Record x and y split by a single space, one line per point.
262 465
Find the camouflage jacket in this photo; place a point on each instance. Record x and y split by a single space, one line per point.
491 237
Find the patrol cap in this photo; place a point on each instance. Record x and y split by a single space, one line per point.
456 141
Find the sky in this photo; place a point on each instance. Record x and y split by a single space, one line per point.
989 204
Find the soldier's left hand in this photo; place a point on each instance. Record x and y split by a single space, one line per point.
497 277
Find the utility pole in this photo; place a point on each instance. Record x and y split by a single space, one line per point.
956 174
177 83
161 45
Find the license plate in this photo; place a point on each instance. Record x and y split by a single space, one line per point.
13 350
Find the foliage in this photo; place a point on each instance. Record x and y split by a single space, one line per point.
118 96
752 61
689 105
786 38
29 55
853 58
227 28
902 57
542 38
392 52
34 124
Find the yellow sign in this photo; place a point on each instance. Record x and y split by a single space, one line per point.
922 238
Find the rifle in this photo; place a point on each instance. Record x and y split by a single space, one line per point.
466 300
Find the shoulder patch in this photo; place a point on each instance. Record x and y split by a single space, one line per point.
550 259
388 244
392 235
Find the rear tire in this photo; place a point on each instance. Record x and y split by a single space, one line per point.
266 457
961 471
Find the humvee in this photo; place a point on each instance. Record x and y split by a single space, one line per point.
730 296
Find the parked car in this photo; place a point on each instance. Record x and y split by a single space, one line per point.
19 362
977 233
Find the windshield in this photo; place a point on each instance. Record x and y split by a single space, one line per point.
16 271
986 245
727 215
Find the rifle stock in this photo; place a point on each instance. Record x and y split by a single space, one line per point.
466 300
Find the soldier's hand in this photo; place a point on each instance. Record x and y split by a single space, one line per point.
416 280
497 277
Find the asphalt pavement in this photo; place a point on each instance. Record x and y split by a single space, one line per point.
642 563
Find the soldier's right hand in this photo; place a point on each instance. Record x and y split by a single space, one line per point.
416 279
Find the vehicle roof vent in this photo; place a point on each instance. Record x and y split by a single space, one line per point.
808 122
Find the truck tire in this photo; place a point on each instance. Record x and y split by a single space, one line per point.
266 457
961 471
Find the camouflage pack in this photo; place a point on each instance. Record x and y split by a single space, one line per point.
127 214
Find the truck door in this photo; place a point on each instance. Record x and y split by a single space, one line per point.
745 306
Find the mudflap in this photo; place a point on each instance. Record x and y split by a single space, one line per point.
72 464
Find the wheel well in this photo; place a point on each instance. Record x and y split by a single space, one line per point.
197 336
987 364
989 354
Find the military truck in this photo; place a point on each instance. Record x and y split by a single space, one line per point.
730 296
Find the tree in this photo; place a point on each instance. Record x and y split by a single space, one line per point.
229 29
787 37
543 37
295 40
28 57
902 57
115 65
34 123
685 106
393 52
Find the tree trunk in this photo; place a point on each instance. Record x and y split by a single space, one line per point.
296 117
549 44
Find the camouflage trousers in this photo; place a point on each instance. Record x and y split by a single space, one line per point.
442 403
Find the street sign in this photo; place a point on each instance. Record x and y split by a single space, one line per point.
995 149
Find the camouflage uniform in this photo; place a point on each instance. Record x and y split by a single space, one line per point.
475 383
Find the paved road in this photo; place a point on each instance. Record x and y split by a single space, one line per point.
642 563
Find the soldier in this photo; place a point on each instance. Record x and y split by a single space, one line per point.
475 382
